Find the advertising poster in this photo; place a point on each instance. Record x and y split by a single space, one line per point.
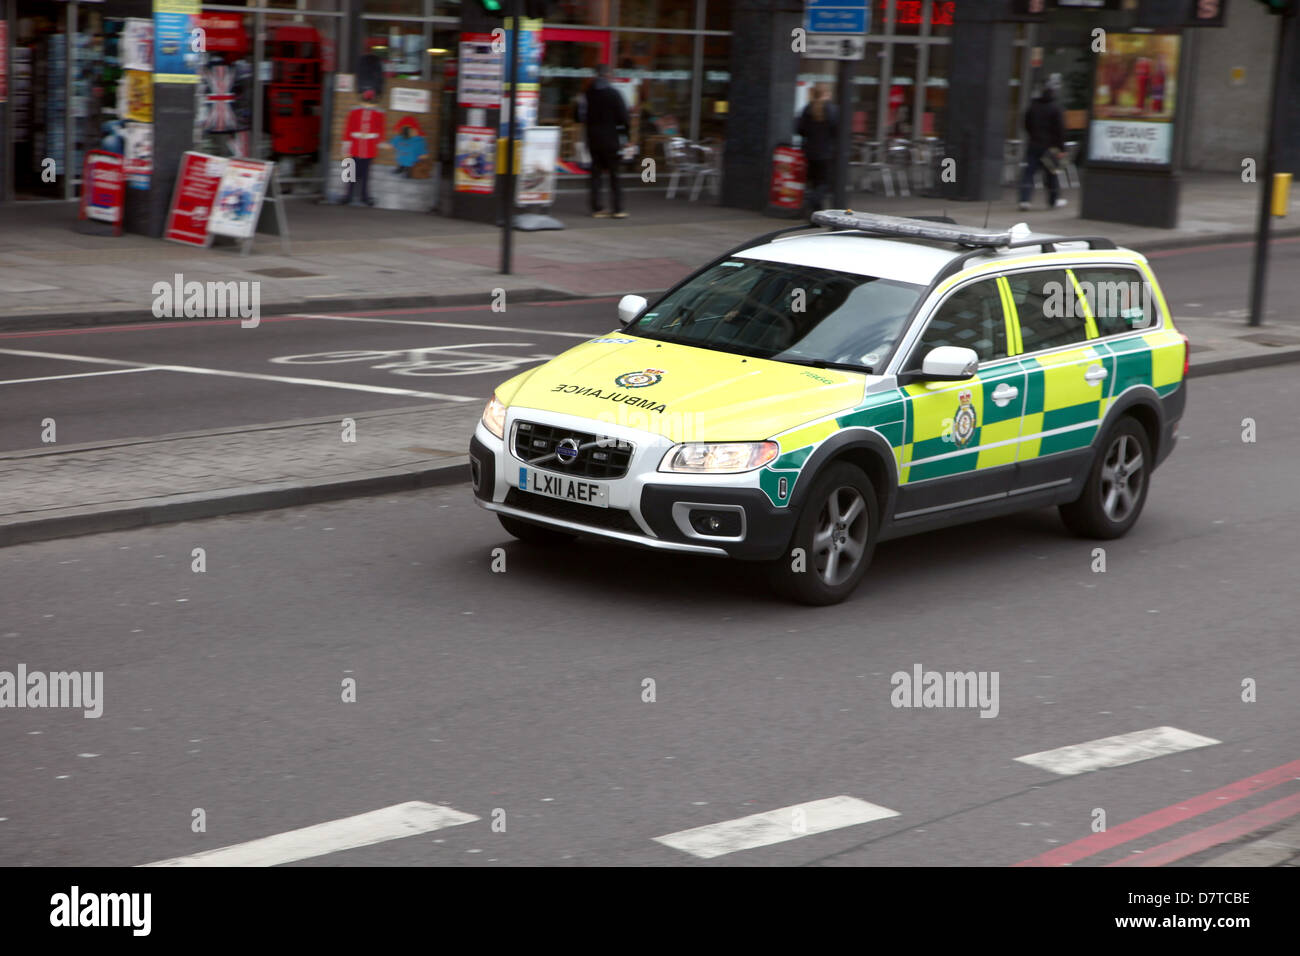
102 187
1134 100
475 159
409 99
196 193
541 152
789 176
136 49
137 143
173 25
480 72
137 96
238 202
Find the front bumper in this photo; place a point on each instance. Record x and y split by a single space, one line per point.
647 508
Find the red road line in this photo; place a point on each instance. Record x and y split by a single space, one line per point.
1224 832
1189 250
1159 819
192 323
293 317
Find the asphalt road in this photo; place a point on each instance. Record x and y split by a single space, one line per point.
522 691
113 382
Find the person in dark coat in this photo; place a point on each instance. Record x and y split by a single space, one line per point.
1045 125
818 126
603 111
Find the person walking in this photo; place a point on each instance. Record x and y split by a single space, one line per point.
818 126
604 113
1045 125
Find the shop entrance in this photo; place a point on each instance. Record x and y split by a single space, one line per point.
63 96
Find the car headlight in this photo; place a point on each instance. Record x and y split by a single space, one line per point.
494 417
719 457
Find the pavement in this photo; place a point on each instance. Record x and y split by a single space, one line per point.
356 258
155 472
594 706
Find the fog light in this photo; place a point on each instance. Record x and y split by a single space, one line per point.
722 524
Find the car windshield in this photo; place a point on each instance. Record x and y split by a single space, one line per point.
789 313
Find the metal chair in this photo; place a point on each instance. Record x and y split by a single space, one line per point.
687 159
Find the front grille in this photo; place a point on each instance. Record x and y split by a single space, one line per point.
612 519
597 456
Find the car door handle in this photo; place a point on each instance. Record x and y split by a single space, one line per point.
1095 374
1004 393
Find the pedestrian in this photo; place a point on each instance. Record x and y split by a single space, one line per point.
818 126
604 113
1046 128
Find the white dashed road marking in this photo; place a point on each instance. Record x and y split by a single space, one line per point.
775 826
365 829
1116 751
226 373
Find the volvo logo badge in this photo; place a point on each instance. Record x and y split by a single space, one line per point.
567 450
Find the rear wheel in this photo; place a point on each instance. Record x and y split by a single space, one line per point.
833 538
1117 484
535 534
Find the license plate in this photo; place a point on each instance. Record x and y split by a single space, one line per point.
563 487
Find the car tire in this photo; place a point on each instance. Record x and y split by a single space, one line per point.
1117 484
535 534
838 522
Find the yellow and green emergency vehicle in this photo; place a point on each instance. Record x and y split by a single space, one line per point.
837 384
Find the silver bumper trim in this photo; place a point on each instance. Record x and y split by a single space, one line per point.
601 532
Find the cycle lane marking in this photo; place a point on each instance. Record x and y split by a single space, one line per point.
249 376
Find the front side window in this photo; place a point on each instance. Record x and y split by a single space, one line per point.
971 318
785 312
1045 305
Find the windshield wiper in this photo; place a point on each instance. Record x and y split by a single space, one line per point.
818 363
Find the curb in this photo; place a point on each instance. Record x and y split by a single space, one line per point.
81 521
44 321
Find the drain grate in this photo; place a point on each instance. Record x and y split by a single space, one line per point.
284 272
1271 339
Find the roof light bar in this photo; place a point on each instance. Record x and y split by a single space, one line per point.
912 228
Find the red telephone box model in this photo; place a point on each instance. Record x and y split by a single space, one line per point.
295 89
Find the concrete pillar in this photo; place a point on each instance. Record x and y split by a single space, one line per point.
978 98
760 105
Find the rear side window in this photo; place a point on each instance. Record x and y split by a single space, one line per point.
1121 299
1046 306
972 318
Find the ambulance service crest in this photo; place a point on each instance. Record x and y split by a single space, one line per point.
650 376
963 423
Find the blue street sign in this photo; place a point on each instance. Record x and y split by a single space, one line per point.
837 16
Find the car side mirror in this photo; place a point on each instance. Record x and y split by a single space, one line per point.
944 363
629 307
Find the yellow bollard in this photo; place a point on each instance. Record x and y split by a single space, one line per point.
1281 193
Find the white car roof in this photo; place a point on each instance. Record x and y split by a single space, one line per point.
917 261
905 260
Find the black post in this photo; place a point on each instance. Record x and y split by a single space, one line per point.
508 180
843 132
1259 277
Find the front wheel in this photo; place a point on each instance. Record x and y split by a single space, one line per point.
1117 484
833 538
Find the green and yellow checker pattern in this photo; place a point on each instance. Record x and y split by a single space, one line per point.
1057 408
